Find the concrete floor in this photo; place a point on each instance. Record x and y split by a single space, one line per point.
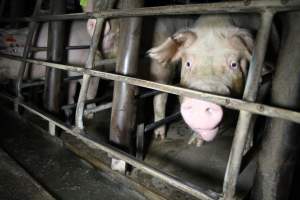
65 176
202 166
57 170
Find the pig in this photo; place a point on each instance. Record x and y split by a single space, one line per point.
214 56
12 42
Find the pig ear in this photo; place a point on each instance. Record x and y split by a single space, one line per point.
247 39
170 50
90 26
107 27
91 23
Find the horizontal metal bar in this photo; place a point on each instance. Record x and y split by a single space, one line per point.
42 82
205 8
148 94
96 100
166 120
172 180
228 102
67 48
99 108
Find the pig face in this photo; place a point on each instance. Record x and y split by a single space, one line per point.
214 59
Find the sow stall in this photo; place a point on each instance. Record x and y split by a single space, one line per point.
282 110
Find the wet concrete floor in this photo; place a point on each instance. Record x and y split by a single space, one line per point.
58 171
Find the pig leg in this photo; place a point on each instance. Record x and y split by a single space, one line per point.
91 94
159 103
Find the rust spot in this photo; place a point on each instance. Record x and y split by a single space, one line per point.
10 38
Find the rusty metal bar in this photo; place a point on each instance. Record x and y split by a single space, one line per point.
90 65
228 102
33 27
205 8
189 188
250 93
123 114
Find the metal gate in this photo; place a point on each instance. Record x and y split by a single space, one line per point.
247 106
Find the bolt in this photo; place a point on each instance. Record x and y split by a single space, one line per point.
260 108
284 1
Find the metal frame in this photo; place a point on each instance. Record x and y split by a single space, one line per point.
247 106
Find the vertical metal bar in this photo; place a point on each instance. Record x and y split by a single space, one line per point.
33 26
124 106
56 54
250 93
276 163
90 63
86 78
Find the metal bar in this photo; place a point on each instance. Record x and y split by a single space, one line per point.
228 102
166 120
205 8
99 108
33 26
89 65
35 49
86 77
277 158
189 188
140 137
148 94
38 83
96 100
250 93
123 113
55 53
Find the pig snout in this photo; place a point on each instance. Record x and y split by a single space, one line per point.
202 117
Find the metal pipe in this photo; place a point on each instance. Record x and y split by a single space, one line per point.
189 188
148 94
166 120
38 83
89 65
205 8
33 27
123 114
96 100
250 94
228 102
280 146
35 49
99 108
56 53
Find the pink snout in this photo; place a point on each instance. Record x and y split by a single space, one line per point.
202 116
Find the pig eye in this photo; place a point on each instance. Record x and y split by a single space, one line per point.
234 65
188 64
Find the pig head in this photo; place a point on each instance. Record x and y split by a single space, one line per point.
214 57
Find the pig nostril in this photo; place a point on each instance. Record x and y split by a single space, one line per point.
209 110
